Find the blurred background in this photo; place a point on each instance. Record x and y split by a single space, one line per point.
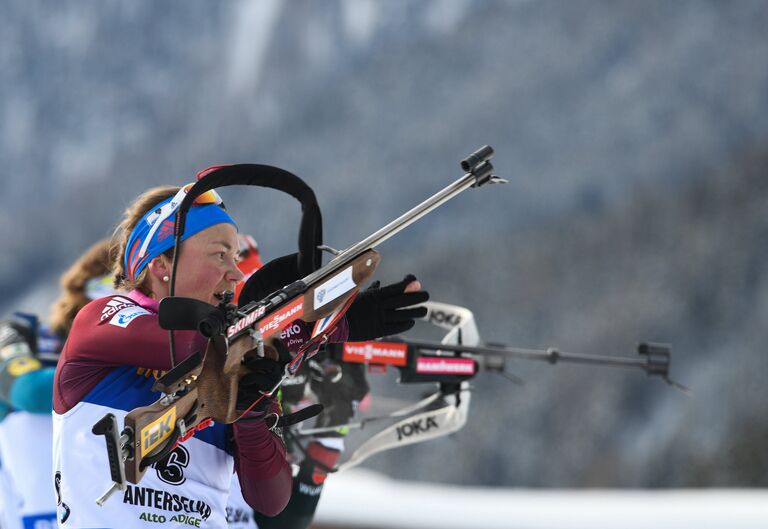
634 136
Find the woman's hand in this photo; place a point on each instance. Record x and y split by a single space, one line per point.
384 311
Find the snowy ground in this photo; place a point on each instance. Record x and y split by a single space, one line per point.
361 498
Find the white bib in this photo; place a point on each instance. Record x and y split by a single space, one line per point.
189 490
239 513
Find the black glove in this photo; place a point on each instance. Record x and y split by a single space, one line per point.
379 312
274 275
263 376
339 387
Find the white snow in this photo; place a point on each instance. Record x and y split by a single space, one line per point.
365 498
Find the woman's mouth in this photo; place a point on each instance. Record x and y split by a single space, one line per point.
225 296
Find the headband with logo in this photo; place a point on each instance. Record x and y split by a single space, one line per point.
153 234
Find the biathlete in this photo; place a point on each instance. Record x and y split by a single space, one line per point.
115 341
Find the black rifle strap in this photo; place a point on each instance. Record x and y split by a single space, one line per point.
311 227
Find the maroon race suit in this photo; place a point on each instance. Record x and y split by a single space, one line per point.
98 344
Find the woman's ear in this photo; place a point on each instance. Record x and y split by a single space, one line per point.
160 268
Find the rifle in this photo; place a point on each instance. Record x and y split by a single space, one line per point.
451 364
203 387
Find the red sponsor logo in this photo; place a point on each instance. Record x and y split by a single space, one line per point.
445 366
166 229
282 318
376 353
245 321
275 322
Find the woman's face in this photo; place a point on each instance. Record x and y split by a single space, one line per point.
208 264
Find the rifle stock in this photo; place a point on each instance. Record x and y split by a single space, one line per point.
152 430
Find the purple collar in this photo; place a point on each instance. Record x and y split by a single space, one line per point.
144 300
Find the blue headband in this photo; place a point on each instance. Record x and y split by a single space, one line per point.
198 218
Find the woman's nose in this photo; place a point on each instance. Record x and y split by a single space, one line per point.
235 274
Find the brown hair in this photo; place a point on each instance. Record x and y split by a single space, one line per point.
95 262
131 217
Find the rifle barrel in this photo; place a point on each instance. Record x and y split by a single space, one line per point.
404 220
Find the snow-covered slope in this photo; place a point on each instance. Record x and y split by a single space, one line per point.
360 498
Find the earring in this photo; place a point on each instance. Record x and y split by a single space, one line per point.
166 278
